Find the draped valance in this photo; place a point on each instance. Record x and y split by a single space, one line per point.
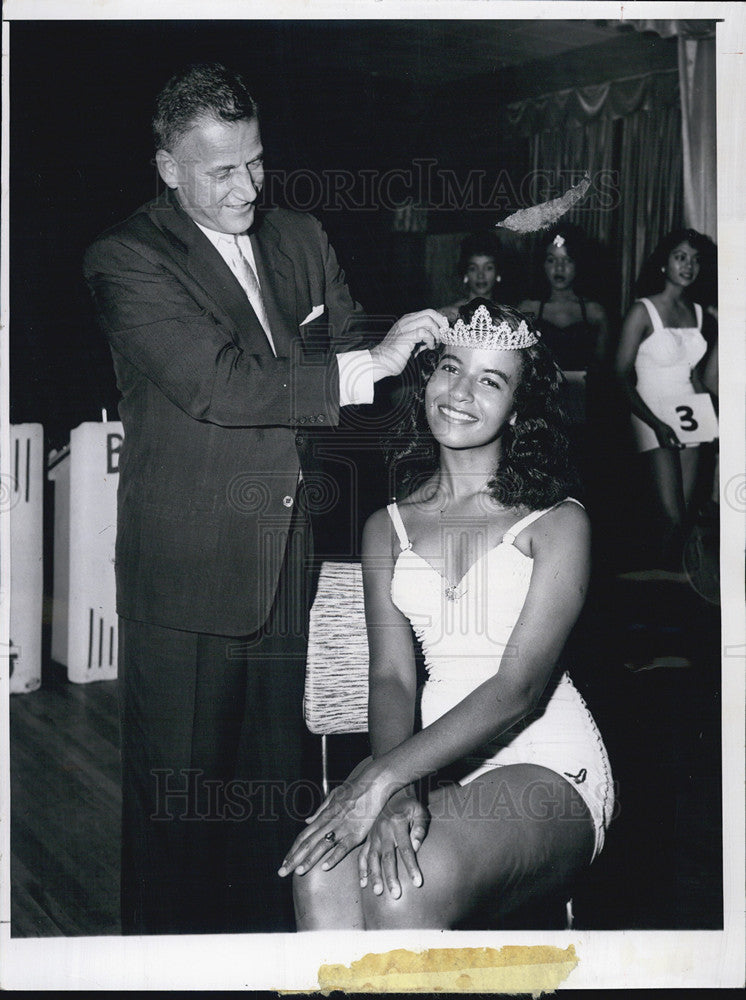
578 105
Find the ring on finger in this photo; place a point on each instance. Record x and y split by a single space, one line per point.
331 836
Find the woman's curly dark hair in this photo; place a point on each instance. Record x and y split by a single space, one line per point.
535 469
704 289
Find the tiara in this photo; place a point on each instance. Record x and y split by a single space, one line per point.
482 332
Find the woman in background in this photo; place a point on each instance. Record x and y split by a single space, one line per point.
574 328
660 352
479 272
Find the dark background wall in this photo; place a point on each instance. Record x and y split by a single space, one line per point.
337 99
365 96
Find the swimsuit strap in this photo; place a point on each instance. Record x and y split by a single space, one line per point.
653 313
541 310
581 300
401 531
658 322
510 536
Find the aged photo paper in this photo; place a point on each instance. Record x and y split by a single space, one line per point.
386 961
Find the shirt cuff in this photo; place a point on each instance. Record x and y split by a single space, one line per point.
356 383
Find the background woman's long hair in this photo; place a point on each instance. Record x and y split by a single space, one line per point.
535 470
704 290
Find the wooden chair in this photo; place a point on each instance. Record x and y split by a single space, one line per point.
336 690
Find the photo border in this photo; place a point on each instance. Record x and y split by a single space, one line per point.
606 959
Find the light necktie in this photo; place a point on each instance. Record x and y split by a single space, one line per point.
250 282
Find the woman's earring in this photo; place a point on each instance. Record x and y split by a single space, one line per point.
512 419
466 280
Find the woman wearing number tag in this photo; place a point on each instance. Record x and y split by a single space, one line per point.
660 348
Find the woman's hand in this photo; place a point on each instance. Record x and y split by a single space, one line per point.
666 435
400 828
341 822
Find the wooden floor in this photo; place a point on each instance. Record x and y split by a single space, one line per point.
661 868
65 798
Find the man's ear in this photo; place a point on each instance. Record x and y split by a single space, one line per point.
168 168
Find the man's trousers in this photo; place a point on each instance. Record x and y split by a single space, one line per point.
215 766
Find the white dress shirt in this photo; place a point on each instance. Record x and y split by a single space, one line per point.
356 383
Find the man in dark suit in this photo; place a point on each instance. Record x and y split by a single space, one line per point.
231 334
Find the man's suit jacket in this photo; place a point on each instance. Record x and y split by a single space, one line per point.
210 461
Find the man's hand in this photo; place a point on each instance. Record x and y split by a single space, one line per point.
420 329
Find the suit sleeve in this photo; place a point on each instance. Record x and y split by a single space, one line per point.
345 326
163 332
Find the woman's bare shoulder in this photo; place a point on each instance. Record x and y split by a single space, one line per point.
638 307
567 522
638 317
377 528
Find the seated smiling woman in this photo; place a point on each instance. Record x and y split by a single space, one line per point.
502 793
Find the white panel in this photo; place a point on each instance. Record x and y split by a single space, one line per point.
26 556
84 622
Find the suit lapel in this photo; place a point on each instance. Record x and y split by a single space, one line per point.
209 270
276 273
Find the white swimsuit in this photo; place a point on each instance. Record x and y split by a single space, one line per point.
464 632
663 367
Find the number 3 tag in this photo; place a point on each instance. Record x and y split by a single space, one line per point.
694 419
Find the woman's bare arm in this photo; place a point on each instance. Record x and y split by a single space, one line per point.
392 678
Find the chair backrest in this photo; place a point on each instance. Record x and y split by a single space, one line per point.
336 690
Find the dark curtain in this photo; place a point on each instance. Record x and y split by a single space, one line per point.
627 135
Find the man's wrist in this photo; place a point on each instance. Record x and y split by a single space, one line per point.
380 367
356 378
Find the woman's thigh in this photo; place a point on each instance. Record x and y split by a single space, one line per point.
514 834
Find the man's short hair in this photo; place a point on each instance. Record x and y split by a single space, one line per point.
204 90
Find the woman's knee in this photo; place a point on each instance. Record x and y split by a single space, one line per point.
667 484
417 907
326 899
437 903
670 504
308 895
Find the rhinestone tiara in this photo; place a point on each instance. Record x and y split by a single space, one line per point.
482 332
